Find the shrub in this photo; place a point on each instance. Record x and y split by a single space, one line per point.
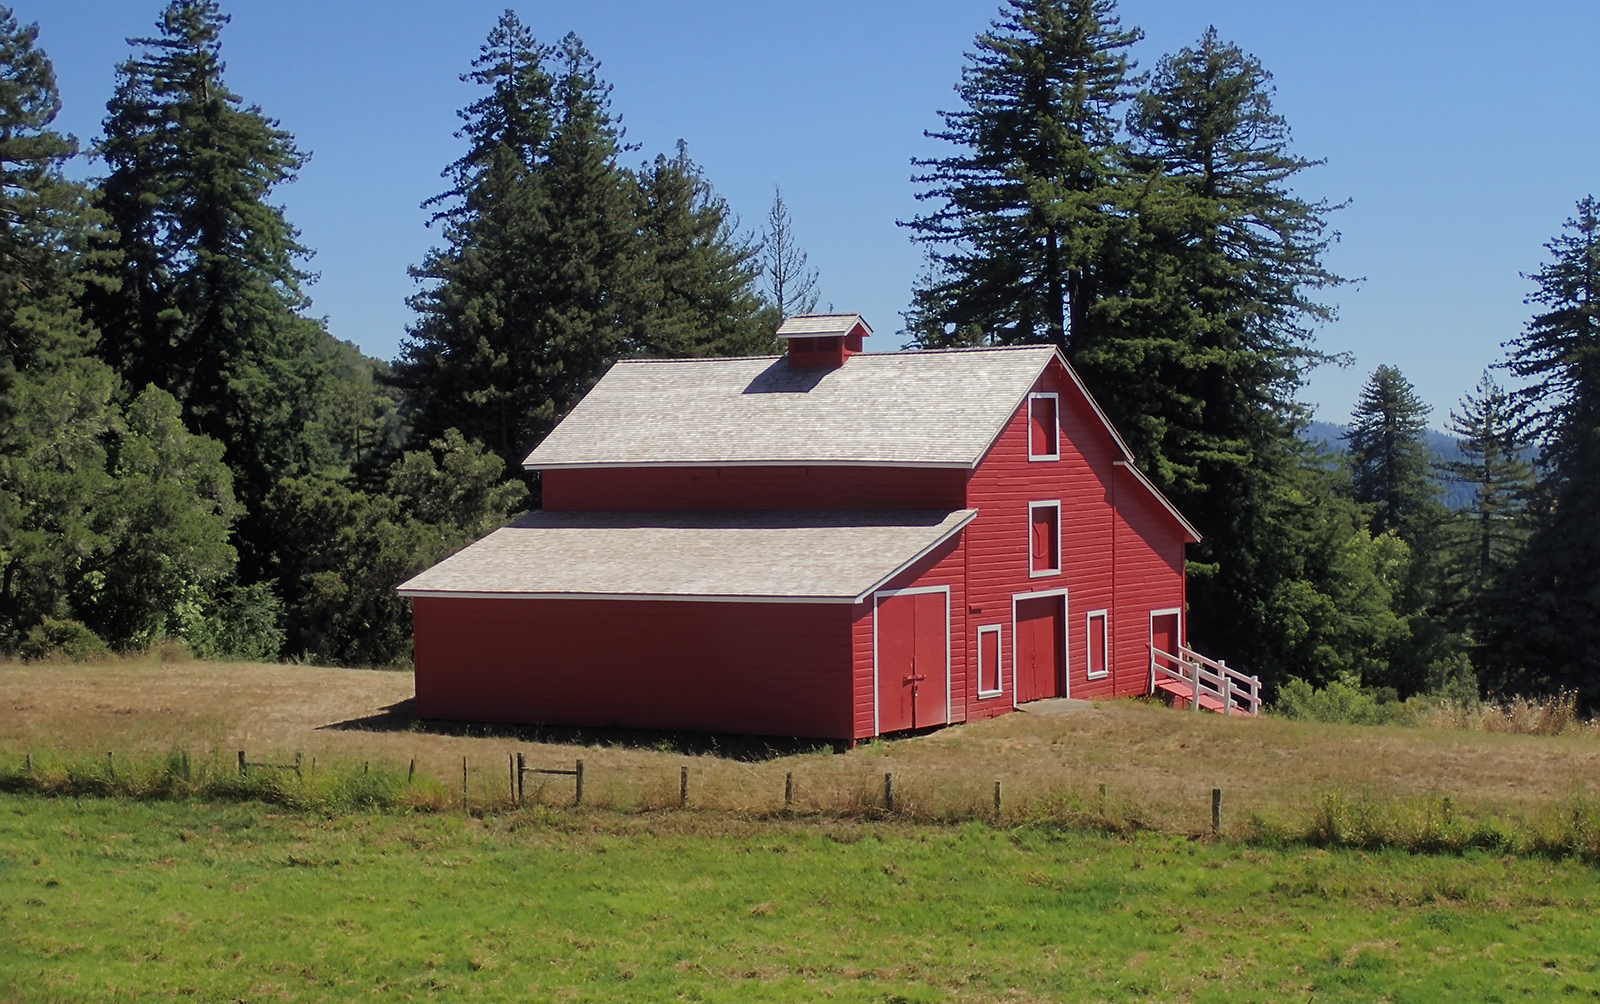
69 638
1342 704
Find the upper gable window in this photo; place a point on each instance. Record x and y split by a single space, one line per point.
1044 427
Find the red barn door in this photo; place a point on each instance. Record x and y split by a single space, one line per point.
1164 636
913 660
1041 657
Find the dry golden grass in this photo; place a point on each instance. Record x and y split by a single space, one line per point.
1158 765
1555 715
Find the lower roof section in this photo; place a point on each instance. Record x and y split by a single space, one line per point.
832 556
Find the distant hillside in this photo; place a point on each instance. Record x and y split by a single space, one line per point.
1445 448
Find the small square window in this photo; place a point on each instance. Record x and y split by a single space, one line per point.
1099 658
989 661
1044 538
1044 428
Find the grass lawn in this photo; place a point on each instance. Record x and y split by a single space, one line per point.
106 899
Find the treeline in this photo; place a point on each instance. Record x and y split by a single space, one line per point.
1150 225
187 455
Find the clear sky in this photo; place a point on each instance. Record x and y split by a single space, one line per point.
1460 132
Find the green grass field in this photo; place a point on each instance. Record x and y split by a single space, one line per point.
110 899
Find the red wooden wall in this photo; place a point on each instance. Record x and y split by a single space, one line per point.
1120 550
614 488
759 668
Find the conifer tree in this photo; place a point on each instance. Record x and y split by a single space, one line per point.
1391 466
209 295
790 283
1026 208
1201 339
698 276
1488 535
556 261
1550 631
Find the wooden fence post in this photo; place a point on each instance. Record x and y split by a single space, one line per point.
522 772
511 778
888 792
463 784
1216 811
683 787
788 790
411 772
30 762
577 795
243 770
997 801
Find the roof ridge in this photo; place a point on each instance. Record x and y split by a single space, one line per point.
952 350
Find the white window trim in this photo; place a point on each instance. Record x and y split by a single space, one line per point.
999 653
1066 638
1051 504
1088 643
877 601
1057 399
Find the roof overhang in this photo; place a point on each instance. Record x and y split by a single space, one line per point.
719 557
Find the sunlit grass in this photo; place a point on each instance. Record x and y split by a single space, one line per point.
110 899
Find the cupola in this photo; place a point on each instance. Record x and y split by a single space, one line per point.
823 340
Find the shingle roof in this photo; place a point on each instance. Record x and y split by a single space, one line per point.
833 556
811 325
921 409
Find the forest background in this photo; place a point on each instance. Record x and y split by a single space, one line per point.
189 454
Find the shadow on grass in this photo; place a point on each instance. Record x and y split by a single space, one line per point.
402 717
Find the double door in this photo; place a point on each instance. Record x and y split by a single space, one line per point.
913 659
1041 647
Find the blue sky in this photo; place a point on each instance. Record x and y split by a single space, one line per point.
1461 133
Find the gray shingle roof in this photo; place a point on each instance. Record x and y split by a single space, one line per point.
809 325
833 556
923 409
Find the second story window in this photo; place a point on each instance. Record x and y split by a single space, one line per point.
1044 427
1044 544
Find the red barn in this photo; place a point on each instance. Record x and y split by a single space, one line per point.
829 544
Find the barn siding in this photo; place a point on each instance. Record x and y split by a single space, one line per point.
759 668
1127 563
653 488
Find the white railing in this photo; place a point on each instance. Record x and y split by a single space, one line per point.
1203 677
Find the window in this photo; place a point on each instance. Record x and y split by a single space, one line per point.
1044 543
1099 661
989 661
1044 429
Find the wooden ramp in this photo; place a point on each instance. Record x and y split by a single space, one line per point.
1201 683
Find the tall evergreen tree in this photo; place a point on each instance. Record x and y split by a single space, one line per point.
209 300
698 275
556 261
1551 632
1487 536
1200 342
1391 466
1027 206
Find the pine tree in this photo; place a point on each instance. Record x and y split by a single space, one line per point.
790 283
1550 632
210 298
1199 342
1028 206
1485 539
1391 466
697 275
537 287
